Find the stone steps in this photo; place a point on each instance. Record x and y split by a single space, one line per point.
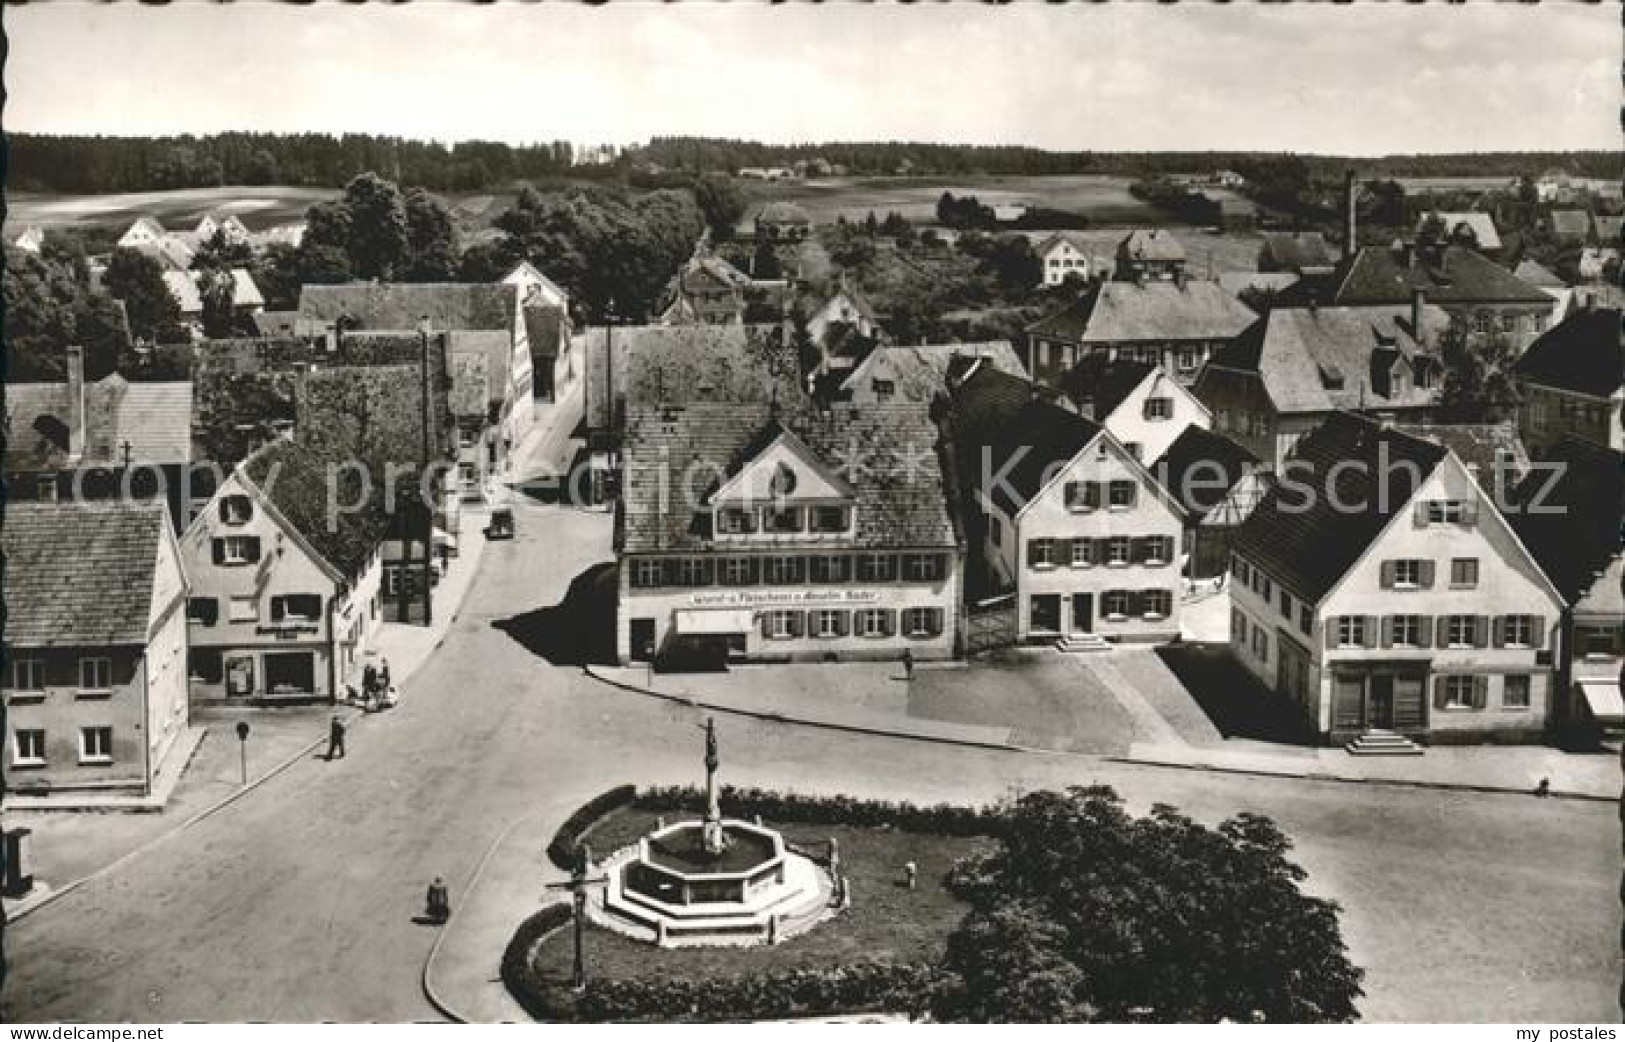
1383 743
1082 642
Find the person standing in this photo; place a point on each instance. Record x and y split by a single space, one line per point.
908 663
335 739
383 676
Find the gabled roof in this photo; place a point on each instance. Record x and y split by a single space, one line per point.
470 384
495 348
149 223
1571 224
399 306
1298 354
1453 275
1482 225
1153 244
525 271
1309 532
297 477
1584 353
171 252
999 422
1059 238
921 371
80 573
782 212
1294 251
888 453
1237 282
1572 528
859 302
185 291
1105 386
1126 311
1200 468
544 329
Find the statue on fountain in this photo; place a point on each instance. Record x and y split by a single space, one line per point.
714 838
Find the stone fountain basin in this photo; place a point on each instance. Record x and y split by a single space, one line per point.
680 850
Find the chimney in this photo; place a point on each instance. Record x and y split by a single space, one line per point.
1419 300
78 434
1348 214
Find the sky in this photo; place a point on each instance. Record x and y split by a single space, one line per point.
1361 79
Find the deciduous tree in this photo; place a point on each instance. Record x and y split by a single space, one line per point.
138 281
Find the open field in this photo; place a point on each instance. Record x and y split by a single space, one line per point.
1099 198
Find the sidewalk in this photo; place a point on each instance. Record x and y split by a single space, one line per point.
1116 693
67 849
186 745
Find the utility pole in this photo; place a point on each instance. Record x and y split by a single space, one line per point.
577 886
426 509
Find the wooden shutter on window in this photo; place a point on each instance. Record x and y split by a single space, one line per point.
1333 624
1033 556
1427 575
937 619
1372 624
1424 631
1139 549
218 548
1419 516
1481 631
843 623
888 622
1103 551
798 624
1074 493
1091 494
1469 512
1386 574
1498 631
1441 695
252 548
1387 631
1481 692
1537 631
279 608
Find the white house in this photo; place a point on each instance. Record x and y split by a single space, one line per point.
144 231
1065 518
1143 407
1381 590
1062 255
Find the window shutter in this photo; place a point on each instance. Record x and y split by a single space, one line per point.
1419 515
1373 626
1441 630
937 621
798 624
1169 549
279 608
1481 692
218 548
1424 630
1387 631
1103 551
1138 549
252 552
843 623
1386 574
225 515
1332 622
1440 697
1498 631
767 624
1537 631
1427 575
1091 494
1032 552
1481 631
1469 512
1072 493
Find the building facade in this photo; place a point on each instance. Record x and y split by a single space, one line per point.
1400 600
1572 381
95 678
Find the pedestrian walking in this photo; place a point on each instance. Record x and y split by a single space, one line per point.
438 901
369 682
1544 789
383 676
335 739
908 663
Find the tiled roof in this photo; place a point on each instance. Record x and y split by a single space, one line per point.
1294 251
1608 228
921 371
1575 532
888 453
1236 282
496 348
153 419
1115 312
298 477
1538 276
1301 354
1200 468
997 418
275 323
1571 224
470 387
171 252
1456 274
544 328
1482 226
1105 386
184 289
1332 513
1154 244
446 305
679 364
781 212
1584 353
80 573
1492 452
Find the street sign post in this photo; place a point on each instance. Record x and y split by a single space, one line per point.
242 748
577 887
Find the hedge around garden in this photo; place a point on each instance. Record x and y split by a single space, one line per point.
840 989
562 851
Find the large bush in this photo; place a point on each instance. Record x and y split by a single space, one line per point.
941 819
518 968
1087 913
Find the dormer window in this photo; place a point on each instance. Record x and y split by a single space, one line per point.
830 519
1331 378
236 510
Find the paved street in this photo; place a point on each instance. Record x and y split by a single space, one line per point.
296 904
